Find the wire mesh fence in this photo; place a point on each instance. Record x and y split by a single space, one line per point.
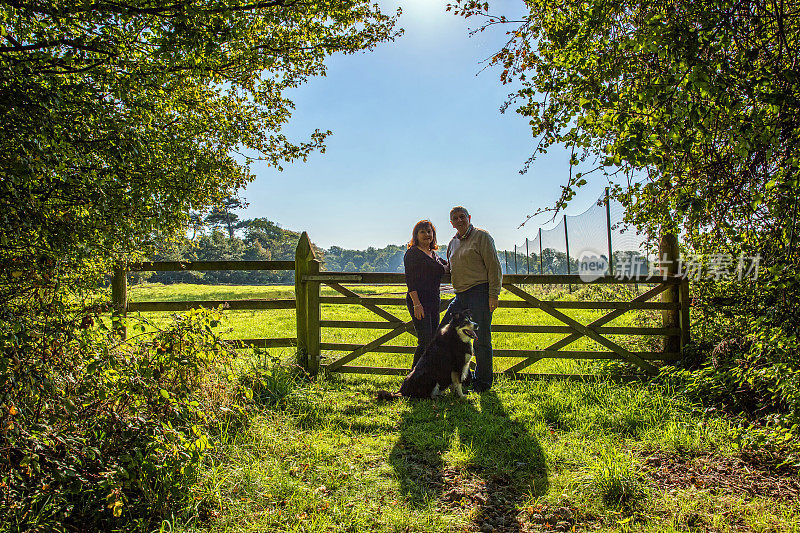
599 233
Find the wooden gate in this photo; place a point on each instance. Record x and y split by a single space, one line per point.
674 304
308 302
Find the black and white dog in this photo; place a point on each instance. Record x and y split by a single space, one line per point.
444 364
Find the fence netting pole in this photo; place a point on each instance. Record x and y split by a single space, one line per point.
541 268
527 258
515 259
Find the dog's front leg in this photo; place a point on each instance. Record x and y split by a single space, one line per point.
455 377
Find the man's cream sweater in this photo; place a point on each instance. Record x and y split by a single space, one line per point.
473 261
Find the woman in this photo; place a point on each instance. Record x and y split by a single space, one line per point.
424 270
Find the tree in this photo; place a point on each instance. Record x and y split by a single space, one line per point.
692 109
195 223
221 215
694 104
119 118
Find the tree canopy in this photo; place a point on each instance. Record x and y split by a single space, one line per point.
693 104
691 109
121 117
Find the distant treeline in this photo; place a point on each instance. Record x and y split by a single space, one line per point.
223 237
229 239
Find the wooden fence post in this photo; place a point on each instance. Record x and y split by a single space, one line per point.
313 328
566 242
300 270
669 255
307 305
684 313
119 298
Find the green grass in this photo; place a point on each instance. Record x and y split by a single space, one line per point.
335 460
542 455
281 323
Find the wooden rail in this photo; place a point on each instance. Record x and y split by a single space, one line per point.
121 305
308 302
172 266
233 305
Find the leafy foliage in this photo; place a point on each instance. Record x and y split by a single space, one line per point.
119 118
99 432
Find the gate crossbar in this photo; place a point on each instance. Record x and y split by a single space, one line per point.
400 327
372 307
581 330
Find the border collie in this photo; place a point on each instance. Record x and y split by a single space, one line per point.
444 364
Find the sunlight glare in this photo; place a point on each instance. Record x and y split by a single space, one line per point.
420 13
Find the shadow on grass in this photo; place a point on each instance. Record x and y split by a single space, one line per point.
470 456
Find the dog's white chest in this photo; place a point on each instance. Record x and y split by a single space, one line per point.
467 359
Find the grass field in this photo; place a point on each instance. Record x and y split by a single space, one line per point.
281 323
553 455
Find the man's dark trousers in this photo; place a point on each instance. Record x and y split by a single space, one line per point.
476 299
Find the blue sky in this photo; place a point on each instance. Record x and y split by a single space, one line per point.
416 130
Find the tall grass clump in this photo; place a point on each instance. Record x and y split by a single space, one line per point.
267 382
270 380
616 479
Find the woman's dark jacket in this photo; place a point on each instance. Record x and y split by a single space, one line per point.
424 275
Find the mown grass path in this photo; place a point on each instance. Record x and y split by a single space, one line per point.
551 455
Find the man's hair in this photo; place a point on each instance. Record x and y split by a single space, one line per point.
458 208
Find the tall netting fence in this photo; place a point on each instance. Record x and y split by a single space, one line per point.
597 234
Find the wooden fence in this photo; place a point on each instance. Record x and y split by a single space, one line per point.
308 301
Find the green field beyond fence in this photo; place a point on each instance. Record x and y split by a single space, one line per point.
356 322
253 324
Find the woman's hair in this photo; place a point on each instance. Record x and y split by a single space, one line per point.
418 226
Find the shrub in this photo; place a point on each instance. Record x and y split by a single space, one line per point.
100 433
756 377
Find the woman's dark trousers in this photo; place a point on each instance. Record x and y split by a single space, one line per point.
426 328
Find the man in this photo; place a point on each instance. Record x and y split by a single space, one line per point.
476 277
